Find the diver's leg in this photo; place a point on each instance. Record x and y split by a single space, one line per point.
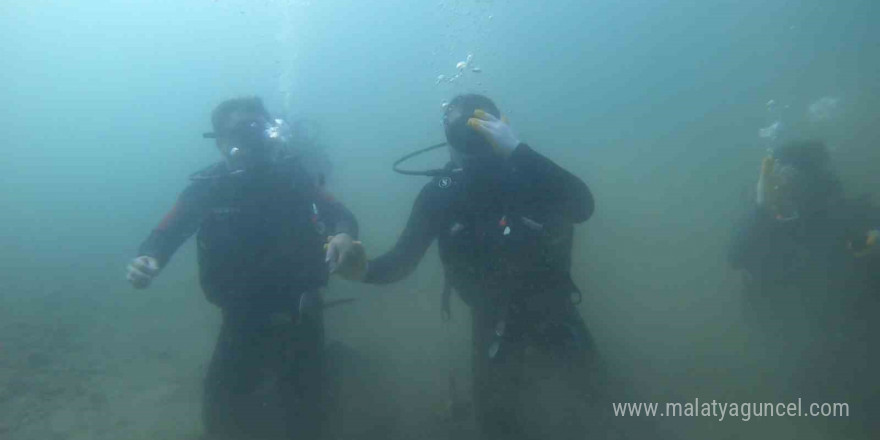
586 387
233 374
496 382
565 385
582 357
592 388
302 380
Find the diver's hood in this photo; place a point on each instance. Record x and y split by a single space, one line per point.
462 137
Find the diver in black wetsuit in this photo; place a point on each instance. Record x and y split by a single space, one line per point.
811 276
802 236
262 221
504 217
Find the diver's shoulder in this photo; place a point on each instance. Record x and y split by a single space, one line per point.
207 181
447 181
211 172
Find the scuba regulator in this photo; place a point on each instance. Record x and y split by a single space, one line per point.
468 146
252 143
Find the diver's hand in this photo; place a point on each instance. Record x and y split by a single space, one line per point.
346 257
763 190
141 271
872 243
496 131
867 244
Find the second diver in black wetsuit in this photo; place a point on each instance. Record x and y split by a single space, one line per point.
804 248
811 276
504 217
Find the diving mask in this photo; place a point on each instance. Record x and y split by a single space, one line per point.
254 142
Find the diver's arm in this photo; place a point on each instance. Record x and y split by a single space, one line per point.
540 179
750 235
404 257
339 219
178 224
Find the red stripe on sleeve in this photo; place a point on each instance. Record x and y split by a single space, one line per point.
166 221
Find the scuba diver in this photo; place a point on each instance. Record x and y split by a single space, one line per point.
811 271
262 221
504 217
803 232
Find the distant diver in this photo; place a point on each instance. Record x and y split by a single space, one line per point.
811 277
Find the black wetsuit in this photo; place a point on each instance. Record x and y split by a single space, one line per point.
805 263
260 251
816 302
505 240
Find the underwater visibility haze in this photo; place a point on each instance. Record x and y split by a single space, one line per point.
664 108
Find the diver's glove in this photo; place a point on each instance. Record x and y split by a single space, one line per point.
865 245
496 131
142 270
346 257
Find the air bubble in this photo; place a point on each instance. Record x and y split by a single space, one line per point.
771 131
823 109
